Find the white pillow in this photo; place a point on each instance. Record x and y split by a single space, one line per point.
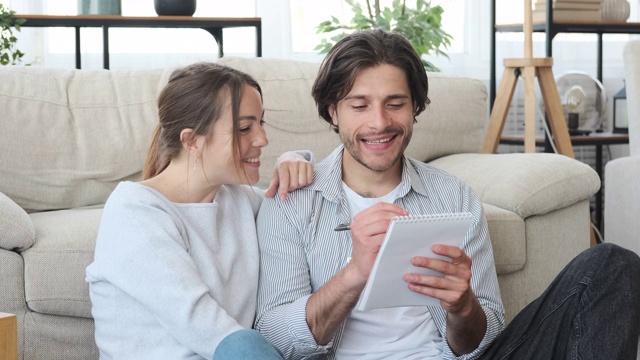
16 229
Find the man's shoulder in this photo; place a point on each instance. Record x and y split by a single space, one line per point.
427 173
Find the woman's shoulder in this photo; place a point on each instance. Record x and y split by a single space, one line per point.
133 194
247 193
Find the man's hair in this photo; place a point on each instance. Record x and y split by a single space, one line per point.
363 50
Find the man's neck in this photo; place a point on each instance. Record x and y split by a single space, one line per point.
368 183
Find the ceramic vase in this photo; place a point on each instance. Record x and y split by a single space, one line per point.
615 10
99 7
175 7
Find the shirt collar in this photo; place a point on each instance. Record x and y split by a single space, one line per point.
329 177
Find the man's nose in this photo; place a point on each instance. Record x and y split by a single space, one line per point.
380 119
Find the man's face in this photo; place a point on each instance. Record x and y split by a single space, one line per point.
375 119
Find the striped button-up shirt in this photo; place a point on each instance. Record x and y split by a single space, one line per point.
300 252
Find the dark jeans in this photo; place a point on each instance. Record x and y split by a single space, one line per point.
590 311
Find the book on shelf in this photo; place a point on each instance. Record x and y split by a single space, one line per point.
571 1
542 5
538 16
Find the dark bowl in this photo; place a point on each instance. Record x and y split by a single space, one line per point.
175 7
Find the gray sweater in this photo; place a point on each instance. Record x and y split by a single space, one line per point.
170 281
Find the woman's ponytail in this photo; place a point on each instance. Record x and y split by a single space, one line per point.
154 163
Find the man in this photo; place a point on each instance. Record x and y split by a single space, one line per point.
370 87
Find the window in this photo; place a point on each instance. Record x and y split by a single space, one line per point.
306 15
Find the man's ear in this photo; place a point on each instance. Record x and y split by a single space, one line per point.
334 115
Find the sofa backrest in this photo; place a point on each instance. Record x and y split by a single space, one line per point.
69 136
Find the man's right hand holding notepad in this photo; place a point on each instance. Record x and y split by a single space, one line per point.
414 253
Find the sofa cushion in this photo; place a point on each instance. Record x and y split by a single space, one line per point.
73 134
527 184
17 229
54 267
287 101
508 239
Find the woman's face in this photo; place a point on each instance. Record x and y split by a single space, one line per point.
220 164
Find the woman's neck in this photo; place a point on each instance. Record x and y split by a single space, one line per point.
180 183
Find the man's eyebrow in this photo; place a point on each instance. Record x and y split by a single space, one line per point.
390 97
355 97
398 96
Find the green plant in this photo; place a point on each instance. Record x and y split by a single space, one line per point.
421 25
9 54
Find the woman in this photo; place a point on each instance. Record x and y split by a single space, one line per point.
176 260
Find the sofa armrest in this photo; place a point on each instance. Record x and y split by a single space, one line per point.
527 184
16 229
623 202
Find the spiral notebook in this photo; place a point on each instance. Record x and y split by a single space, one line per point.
410 236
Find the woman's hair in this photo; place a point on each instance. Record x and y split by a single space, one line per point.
363 50
194 98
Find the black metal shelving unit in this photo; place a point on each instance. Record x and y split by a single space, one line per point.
213 26
551 29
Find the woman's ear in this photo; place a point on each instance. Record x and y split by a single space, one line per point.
189 140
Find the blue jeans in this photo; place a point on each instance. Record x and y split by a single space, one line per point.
246 344
590 311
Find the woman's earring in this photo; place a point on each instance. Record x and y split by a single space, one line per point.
195 163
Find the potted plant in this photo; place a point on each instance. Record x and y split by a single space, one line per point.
9 54
421 25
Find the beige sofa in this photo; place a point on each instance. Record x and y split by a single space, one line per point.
68 137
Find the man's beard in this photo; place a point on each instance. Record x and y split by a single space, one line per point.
354 149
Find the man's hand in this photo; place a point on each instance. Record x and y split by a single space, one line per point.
453 289
466 321
332 303
368 230
292 171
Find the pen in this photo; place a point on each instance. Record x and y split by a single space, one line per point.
343 227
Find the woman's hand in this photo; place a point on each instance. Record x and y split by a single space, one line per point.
292 172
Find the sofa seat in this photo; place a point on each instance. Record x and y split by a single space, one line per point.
50 288
508 239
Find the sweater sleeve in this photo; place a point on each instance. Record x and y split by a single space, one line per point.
143 252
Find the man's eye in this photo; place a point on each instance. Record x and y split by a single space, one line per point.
396 106
262 122
359 107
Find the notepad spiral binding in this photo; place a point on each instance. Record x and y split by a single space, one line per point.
431 217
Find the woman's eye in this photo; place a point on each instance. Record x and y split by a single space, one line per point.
245 130
262 122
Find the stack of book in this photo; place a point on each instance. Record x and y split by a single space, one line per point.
568 10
